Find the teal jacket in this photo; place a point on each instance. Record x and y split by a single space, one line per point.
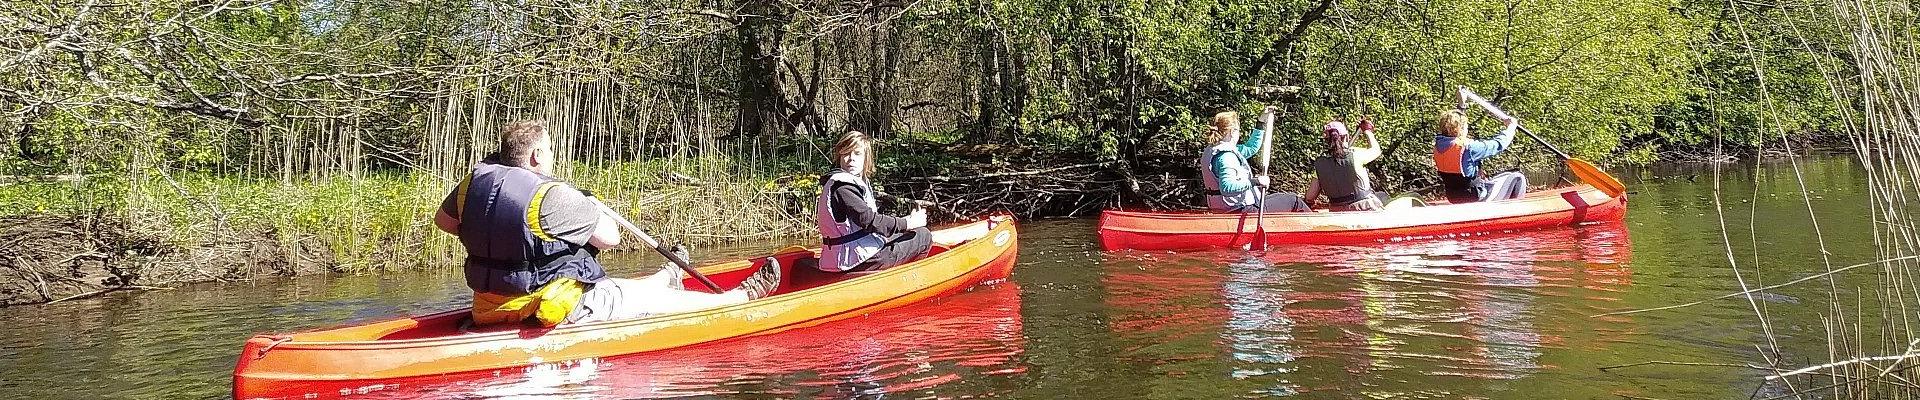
1230 180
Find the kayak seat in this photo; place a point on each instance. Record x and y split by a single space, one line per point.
803 277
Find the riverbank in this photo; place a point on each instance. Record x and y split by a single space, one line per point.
62 239
79 236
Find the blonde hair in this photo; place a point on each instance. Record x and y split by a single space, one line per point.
847 143
1452 123
1223 123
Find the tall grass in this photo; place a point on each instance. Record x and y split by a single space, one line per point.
1868 51
385 220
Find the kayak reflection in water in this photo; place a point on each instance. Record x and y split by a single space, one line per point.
1229 179
532 243
855 235
1341 174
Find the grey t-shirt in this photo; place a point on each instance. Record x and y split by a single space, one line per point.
565 213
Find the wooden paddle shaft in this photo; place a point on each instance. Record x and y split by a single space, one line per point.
655 245
1266 160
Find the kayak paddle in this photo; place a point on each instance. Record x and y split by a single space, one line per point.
655 244
1582 169
1266 158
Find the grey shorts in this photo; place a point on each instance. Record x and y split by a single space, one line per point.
900 248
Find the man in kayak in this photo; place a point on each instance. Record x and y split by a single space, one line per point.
1341 174
532 242
1229 180
1457 155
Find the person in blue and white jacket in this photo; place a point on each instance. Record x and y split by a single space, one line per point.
1457 156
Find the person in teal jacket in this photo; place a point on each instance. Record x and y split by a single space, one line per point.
1230 182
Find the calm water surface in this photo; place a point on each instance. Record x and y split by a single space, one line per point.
1503 316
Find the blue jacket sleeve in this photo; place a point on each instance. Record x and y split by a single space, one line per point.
1482 149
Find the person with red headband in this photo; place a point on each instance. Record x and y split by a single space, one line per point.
1341 173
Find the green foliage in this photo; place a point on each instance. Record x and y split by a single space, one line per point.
1137 80
1120 79
285 114
1724 99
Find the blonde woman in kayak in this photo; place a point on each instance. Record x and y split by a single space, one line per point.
1341 174
1457 156
1231 185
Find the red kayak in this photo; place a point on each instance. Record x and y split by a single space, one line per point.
1205 230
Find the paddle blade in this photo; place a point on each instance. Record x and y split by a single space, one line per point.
1403 202
1594 176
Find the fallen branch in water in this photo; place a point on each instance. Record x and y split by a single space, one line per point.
1691 364
1762 289
1913 350
1008 173
1066 190
105 291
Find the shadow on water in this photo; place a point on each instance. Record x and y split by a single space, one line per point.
1505 316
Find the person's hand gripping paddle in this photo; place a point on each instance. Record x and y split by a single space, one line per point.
655 244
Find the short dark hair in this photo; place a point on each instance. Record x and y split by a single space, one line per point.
517 140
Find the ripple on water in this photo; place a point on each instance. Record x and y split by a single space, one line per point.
1313 318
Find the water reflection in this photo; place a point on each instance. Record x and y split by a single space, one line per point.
1344 319
1401 320
901 351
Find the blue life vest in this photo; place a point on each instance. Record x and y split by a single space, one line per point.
507 251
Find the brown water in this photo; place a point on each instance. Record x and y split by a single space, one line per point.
1503 316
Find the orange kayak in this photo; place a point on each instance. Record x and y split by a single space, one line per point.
1206 230
340 361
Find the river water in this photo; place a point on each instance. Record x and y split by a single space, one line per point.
1506 316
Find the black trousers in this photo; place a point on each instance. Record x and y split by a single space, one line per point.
900 248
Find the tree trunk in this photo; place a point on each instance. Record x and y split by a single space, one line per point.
761 32
873 99
1002 90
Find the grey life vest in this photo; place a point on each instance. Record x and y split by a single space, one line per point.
507 251
1216 199
1341 180
845 244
